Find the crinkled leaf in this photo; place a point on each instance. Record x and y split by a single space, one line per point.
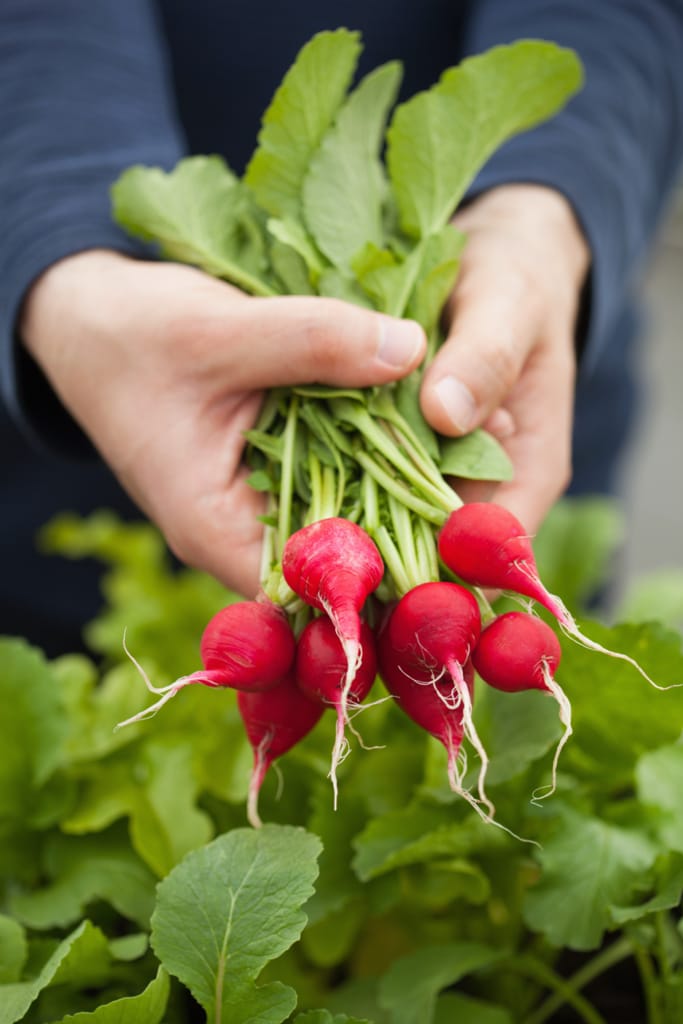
84 870
617 715
148 1007
411 835
438 140
344 188
229 908
410 987
588 866
81 960
475 456
198 213
300 113
13 949
668 888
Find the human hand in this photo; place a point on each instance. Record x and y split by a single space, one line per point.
508 362
164 368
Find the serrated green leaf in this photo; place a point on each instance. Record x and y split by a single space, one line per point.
13 949
410 987
82 959
438 140
198 213
229 908
148 1007
344 187
300 113
82 871
588 866
475 456
436 278
387 279
617 716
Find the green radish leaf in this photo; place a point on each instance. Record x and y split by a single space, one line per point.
344 188
654 596
475 456
227 910
129 947
81 960
386 278
438 140
616 714
290 269
198 213
295 236
571 903
436 278
406 396
300 113
335 285
668 888
410 987
82 871
13 949
659 781
148 1007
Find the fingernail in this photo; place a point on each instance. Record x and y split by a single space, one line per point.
457 402
399 342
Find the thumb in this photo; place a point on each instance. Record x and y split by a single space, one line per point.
492 333
303 339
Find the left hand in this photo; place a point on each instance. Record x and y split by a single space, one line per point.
509 361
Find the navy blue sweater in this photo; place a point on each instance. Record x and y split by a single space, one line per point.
88 88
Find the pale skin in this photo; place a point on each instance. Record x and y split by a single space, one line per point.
164 368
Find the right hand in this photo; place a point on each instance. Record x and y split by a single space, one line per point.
164 368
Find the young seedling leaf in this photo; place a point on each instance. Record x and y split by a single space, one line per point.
439 139
227 910
344 189
475 456
198 213
300 113
148 1007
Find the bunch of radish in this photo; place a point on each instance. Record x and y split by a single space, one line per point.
290 661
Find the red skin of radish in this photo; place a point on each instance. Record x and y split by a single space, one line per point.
320 665
274 721
487 546
248 645
513 650
333 565
435 626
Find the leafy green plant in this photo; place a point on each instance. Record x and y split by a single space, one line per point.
132 891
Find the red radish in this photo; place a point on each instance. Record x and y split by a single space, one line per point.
487 546
320 665
426 701
275 721
334 566
248 645
433 631
517 652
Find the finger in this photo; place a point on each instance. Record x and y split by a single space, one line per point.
493 329
298 340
